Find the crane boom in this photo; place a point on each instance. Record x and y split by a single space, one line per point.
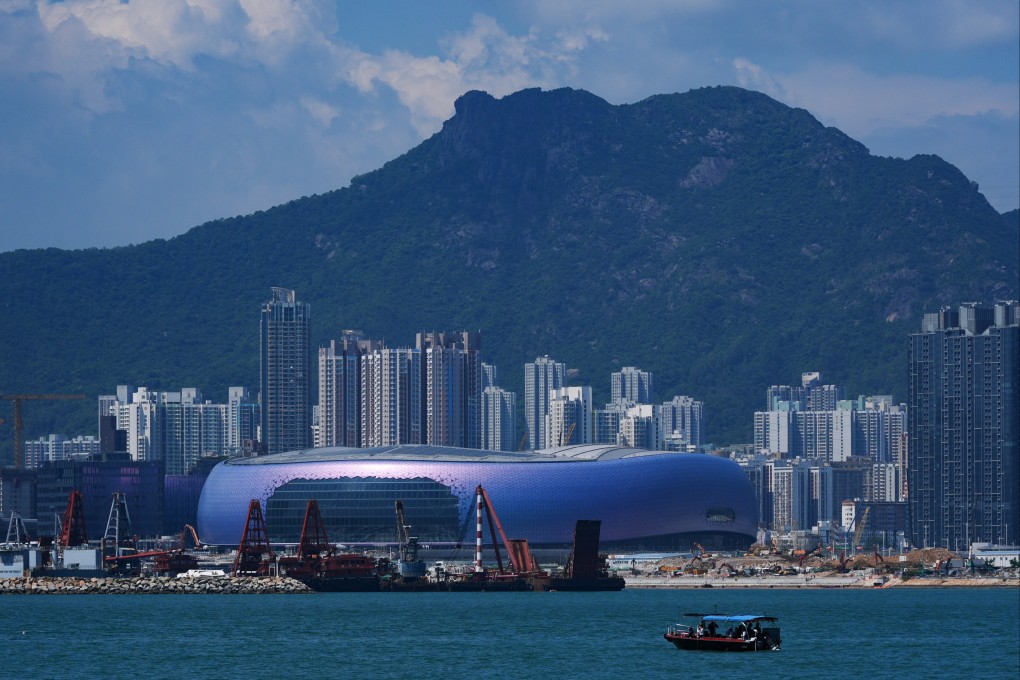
859 532
19 423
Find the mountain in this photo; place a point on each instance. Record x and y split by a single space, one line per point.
718 238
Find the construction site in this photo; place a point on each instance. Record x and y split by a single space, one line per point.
315 562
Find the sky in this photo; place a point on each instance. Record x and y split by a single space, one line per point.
123 121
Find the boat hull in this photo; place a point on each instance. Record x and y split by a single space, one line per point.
720 644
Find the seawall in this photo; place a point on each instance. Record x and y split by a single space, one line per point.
152 585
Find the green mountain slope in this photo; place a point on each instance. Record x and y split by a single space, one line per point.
717 238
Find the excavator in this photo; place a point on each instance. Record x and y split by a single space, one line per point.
816 551
189 530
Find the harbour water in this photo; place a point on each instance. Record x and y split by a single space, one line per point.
847 633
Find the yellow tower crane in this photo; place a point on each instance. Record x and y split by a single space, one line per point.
19 424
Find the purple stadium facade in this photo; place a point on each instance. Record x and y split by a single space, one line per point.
646 500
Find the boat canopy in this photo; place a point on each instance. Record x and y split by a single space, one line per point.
738 618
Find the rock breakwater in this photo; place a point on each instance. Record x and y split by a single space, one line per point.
152 585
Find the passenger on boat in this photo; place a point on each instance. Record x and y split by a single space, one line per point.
712 627
701 630
757 629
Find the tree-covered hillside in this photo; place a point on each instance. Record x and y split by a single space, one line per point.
717 238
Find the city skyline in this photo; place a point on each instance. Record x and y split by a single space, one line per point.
823 466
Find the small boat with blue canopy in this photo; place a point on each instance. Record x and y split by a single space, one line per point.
726 633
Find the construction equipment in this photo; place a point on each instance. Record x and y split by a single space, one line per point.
72 526
518 550
587 569
19 423
254 544
565 437
118 525
410 567
118 545
318 565
861 524
816 551
16 532
189 530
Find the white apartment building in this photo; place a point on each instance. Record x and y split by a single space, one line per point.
499 419
540 377
569 420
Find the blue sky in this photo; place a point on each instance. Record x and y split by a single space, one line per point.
124 121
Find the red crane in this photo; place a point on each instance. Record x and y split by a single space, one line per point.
72 530
518 550
254 543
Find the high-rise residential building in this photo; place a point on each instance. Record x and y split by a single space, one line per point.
340 389
774 430
631 385
825 397
178 428
452 383
606 423
963 412
242 422
57 447
639 428
285 376
864 427
490 376
499 420
786 393
801 494
569 420
391 397
682 423
540 377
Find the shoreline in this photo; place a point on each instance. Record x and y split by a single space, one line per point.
152 585
817 581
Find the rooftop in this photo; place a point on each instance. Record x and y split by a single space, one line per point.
426 452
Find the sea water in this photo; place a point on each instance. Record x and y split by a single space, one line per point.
847 633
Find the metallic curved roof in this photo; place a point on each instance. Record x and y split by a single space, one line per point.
410 452
643 497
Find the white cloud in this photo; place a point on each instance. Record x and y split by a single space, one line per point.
321 111
485 57
754 77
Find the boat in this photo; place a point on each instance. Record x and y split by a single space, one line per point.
203 573
321 567
587 569
344 572
727 633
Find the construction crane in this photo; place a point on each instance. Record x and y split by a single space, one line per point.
859 532
565 437
19 424
254 544
410 566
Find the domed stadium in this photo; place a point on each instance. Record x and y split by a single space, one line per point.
646 500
